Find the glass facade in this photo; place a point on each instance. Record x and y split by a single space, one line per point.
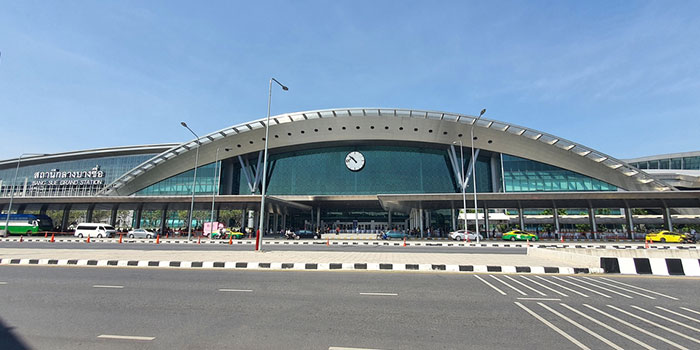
684 163
181 184
68 178
523 175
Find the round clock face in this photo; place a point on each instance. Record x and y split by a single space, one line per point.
355 161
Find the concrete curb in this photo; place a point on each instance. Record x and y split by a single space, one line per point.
303 266
350 242
651 266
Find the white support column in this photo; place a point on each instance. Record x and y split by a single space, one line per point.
420 222
486 221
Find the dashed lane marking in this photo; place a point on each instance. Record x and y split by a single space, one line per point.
345 348
380 294
632 286
525 285
597 280
2 283
582 287
107 286
555 328
666 318
603 288
562 287
636 328
124 337
596 335
543 286
508 285
235 290
655 324
635 340
691 310
490 285
680 314
543 299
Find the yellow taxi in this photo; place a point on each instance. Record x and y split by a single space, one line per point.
670 237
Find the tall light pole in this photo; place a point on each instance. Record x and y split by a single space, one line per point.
476 210
217 178
194 180
258 237
463 181
12 193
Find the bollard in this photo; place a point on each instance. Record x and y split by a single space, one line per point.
158 239
52 237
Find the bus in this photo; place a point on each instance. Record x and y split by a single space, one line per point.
25 224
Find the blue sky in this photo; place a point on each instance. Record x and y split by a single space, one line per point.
622 77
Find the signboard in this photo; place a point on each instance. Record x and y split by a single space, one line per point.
68 181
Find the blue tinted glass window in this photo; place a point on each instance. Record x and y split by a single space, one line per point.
524 175
181 184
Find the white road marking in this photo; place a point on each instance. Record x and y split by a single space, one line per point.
124 337
691 310
582 287
545 299
550 325
597 280
603 288
655 324
666 318
511 287
636 328
631 286
3 282
524 285
563 287
640 343
344 348
598 336
680 314
381 294
235 290
107 286
543 286
490 285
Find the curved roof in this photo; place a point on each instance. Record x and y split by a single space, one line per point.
664 156
385 124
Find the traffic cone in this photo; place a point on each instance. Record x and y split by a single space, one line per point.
21 238
468 240
52 237
561 235
120 238
404 241
328 241
230 240
88 240
158 239
199 240
646 243
46 234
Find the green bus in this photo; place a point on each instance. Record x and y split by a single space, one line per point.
25 224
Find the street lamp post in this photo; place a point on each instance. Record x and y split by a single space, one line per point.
217 176
463 185
194 180
12 193
476 210
258 237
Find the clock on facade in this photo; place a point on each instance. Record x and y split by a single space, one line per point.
355 161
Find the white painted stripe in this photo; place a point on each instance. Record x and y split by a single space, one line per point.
632 286
563 287
655 324
380 294
235 290
543 299
543 286
691 310
508 285
635 327
603 288
597 280
658 266
642 344
582 287
627 266
107 286
345 348
3 282
490 285
524 285
690 267
124 337
666 318
550 325
596 335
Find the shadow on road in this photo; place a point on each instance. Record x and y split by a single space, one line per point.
9 340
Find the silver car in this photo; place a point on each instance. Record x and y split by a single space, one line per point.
140 233
462 235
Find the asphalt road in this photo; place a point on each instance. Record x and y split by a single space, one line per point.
88 308
224 246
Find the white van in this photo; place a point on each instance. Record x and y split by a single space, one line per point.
98 230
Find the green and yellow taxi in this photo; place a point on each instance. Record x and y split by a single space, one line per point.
517 235
670 237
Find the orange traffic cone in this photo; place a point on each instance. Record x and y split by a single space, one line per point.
328 241
52 237
646 243
561 235
88 240
230 240
404 241
120 238
158 239
46 234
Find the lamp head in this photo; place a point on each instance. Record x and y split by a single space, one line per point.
482 112
285 88
183 124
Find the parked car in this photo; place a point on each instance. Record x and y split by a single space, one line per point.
306 234
462 235
517 235
393 234
670 237
98 230
140 233
227 233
